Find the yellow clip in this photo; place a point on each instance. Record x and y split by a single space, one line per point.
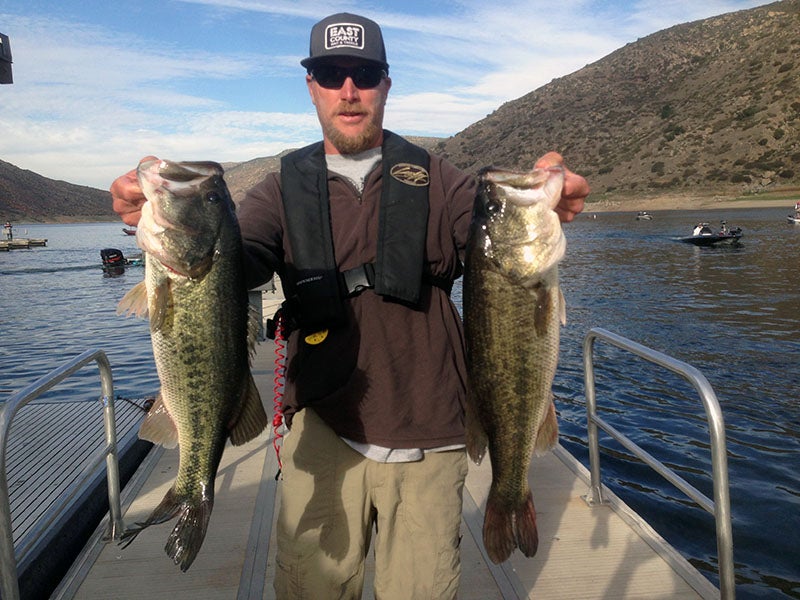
317 337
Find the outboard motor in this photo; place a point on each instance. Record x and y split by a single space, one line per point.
112 258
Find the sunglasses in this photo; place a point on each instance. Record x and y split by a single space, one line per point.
333 78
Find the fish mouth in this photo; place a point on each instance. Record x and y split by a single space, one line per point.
176 181
170 188
524 188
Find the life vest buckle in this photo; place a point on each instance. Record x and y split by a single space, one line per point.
358 279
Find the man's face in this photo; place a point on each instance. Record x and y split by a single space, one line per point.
351 116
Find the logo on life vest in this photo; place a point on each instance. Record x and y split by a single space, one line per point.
410 174
317 337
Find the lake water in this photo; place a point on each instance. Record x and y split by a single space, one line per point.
734 314
58 302
731 312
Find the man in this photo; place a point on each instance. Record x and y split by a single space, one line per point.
367 233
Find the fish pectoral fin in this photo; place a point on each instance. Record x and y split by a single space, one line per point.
158 426
562 312
252 419
547 436
160 305
477 440
253 327
134 302
546 303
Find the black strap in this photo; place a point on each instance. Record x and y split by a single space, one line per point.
362 277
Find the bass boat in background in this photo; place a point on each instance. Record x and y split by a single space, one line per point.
703 235
795 216
114 261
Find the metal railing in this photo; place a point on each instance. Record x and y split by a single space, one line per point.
720 506
9 584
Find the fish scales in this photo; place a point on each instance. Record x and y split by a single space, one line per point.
202 335
513 309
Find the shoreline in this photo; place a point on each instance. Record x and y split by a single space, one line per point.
606 203
686 202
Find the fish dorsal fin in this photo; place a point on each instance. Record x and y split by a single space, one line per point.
252 419
158 426
134 302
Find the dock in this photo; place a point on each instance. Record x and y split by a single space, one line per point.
589 552
22 244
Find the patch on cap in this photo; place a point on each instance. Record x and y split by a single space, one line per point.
410 174
344 35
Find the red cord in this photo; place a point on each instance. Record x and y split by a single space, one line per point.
277 402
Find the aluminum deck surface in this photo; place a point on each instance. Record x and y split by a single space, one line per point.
603 552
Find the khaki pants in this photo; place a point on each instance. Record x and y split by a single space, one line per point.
332 497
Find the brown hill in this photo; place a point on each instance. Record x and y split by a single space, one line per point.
27 196
713 105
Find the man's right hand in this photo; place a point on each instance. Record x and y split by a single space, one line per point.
127 196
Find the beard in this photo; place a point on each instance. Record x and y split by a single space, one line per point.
353 144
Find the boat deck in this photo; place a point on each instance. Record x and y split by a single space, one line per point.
603 552
37 475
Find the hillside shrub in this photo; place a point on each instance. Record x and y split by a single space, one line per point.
746 113
672 131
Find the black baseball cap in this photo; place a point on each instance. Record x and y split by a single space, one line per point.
346 34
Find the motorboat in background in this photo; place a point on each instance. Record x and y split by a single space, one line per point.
795 216
115 262
703 235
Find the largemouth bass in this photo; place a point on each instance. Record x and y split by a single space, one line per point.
195 296
513 309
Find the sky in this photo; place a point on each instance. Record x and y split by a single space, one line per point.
98 84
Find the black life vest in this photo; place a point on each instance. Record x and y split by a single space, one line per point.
315 288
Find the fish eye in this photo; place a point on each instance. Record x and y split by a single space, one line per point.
493 207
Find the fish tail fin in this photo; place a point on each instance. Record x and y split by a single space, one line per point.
168 508
187 536
476 435
547 436
505 529
498 530
525 525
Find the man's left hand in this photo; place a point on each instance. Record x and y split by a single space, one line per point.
574 192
